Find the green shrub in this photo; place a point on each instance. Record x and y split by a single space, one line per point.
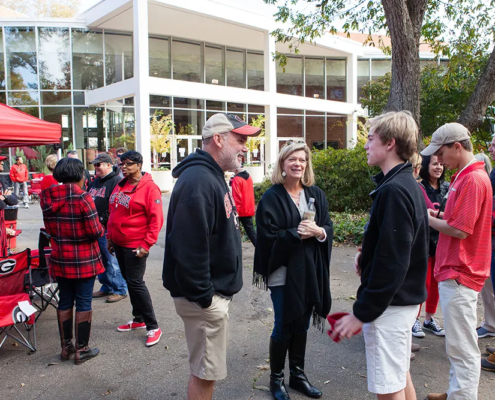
344 176
348 228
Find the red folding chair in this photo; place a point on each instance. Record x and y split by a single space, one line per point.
34 189
15 287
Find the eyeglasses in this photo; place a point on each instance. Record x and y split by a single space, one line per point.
127 164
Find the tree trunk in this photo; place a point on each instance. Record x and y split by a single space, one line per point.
484 95
404 21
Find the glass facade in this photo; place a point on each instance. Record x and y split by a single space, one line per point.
118 57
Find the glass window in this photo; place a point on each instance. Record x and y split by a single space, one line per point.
79 98
23 98
87 59
62 116
186 59
290 126
380 68
182 102
34 111
118 57
3 99
290 81
56 98
336 131
315 132
363 72
256 71
214 65
236 107
2 63
236 71
188 122
54 58
90 133
315 78
281 110
336 80
256 109
21 58
121 128
159 50
160 101
215 105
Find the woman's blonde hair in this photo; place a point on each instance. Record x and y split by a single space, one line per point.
290 147
51 161
488 164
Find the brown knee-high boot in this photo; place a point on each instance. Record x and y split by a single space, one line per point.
65 323
83 330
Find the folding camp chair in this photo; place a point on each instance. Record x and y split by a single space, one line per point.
44 285
15 294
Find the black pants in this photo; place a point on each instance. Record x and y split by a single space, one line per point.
247 223
133 269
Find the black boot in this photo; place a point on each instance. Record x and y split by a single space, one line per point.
65 323
298 380
278 352
83 329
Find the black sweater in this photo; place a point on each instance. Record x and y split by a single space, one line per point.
203 253
395 246
101 189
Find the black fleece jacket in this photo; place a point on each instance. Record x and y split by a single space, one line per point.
203 253
395 246
101 189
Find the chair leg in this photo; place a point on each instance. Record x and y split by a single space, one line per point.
65 324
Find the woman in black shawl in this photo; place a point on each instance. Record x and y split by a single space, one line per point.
292 258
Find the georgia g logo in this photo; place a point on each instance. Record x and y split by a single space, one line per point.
18 316
7 266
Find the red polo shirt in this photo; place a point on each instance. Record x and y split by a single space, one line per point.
468 209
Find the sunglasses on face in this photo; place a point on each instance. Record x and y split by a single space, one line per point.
126 164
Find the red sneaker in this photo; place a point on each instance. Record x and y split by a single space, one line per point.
131 325
153 337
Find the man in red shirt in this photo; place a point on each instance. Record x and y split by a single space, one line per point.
243 194
19 176
463 255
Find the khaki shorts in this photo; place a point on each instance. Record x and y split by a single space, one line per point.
206 335
388 348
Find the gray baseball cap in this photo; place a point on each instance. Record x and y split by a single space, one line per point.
102 157
446 134
223 123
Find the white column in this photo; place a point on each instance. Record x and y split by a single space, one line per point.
352 97
141 72
271 142
351 131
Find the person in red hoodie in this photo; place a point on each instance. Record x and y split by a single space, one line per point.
136 217
243 194
19 176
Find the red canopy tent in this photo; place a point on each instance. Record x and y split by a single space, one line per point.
20 129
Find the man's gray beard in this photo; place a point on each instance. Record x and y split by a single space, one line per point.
228 162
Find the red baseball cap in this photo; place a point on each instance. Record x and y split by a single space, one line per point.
2 158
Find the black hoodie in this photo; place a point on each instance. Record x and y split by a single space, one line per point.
101 189
395 246
203 253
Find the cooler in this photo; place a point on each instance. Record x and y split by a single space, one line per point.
11 241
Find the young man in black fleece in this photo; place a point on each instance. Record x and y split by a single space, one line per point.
394 259
203 255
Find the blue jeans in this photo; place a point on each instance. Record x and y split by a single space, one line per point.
79 291
111 280
280 333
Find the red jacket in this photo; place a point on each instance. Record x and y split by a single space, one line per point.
243 193
19 173
71 219
136 214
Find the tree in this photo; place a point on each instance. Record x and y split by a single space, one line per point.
43 8
160 127
408 23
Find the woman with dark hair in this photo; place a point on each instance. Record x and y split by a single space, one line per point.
292 259
432 176
71 220
136 217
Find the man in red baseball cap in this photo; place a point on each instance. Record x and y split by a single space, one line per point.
6 199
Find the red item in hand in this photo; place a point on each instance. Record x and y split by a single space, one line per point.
332 319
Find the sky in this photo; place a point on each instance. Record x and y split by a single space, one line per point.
85 4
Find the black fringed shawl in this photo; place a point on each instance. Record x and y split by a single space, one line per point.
307 261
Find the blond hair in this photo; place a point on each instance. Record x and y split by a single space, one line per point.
398 125
51 161
290 147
